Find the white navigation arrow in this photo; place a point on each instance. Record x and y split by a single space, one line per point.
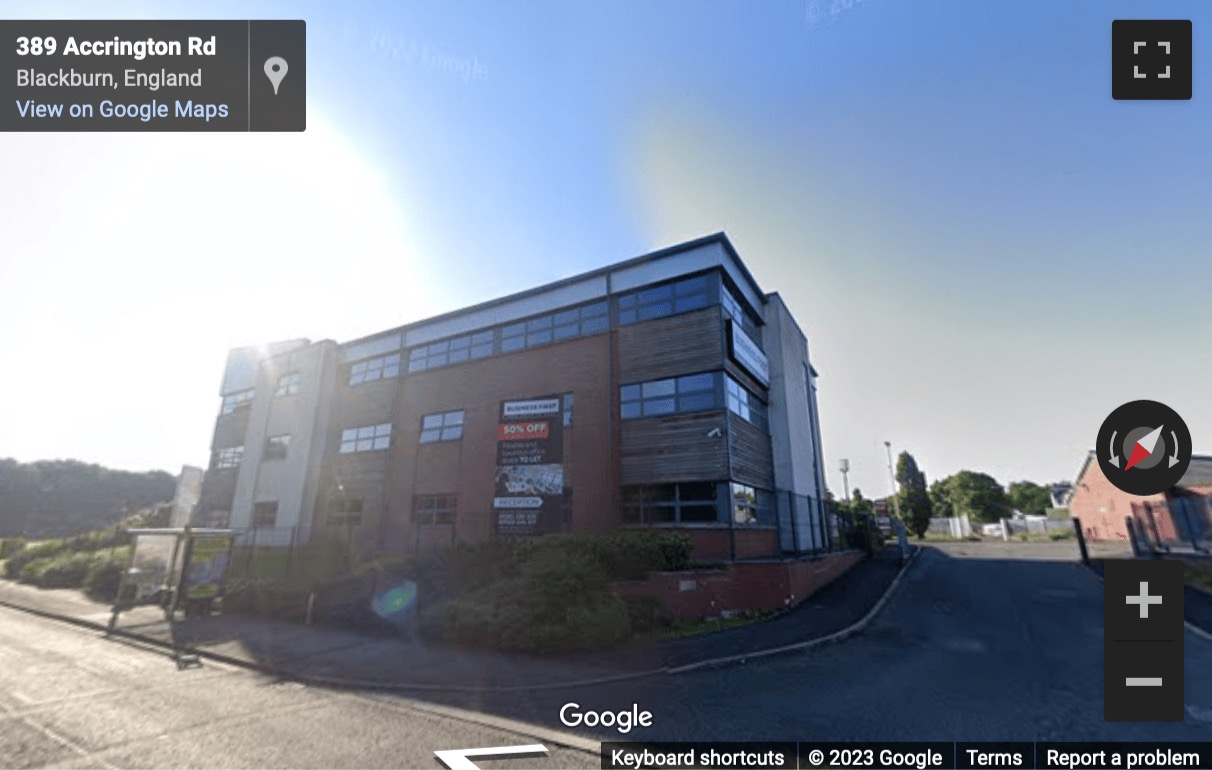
1146 445
459 759
1174 457
1114 457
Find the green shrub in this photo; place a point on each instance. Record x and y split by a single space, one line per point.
15 565
646 614
104 575
63 571
11 546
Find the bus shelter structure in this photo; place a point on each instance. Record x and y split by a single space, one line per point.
178 569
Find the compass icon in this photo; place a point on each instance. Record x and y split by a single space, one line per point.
1144 448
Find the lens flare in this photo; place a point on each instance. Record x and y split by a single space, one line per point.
396 600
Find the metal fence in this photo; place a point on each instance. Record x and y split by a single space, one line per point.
806 526
306 553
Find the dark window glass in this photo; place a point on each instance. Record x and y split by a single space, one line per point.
538 338
694 393
702 490
595 325
697 513
276 447
538 323
434 509
265 515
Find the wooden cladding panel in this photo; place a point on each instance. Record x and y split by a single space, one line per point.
752 459
657 450
681 344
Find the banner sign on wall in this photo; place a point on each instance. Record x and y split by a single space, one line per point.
529 479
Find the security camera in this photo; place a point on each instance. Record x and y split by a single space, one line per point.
714 433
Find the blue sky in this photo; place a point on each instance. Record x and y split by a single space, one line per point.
966 225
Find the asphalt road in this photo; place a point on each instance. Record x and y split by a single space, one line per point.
69 698
977 643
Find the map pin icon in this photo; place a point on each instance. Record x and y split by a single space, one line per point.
275 70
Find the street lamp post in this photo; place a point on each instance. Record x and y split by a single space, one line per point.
892 479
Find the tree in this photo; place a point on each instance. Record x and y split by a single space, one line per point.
859 504
940 499
916 508
1029 497
907 472
976 494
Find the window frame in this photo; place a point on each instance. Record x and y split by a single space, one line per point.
433 507
653 499
289 384
381 367
365 438
684 294
277 447
341 511
442 426
234 402
259 510
681 394
229 458
745 404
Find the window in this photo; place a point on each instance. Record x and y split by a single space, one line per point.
481 345
231 457
665 299
740 312
685 503
237 401
366 439
541 330
374 369
689 393
581 321
746 405
744 504
289 384
344 510
751 506
265 515
276 446
434 509
447 426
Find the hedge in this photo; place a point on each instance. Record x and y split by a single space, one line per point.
551 593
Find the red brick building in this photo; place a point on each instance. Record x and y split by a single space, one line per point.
1170 517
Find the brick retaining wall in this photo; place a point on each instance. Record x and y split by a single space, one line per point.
741 586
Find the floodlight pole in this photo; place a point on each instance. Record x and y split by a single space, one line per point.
844 466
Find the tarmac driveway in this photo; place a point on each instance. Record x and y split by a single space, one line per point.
976 644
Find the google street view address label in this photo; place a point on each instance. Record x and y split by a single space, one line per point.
153 76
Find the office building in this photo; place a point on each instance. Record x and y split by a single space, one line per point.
668 390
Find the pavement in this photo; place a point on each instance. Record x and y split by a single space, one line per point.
339 657
70 698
